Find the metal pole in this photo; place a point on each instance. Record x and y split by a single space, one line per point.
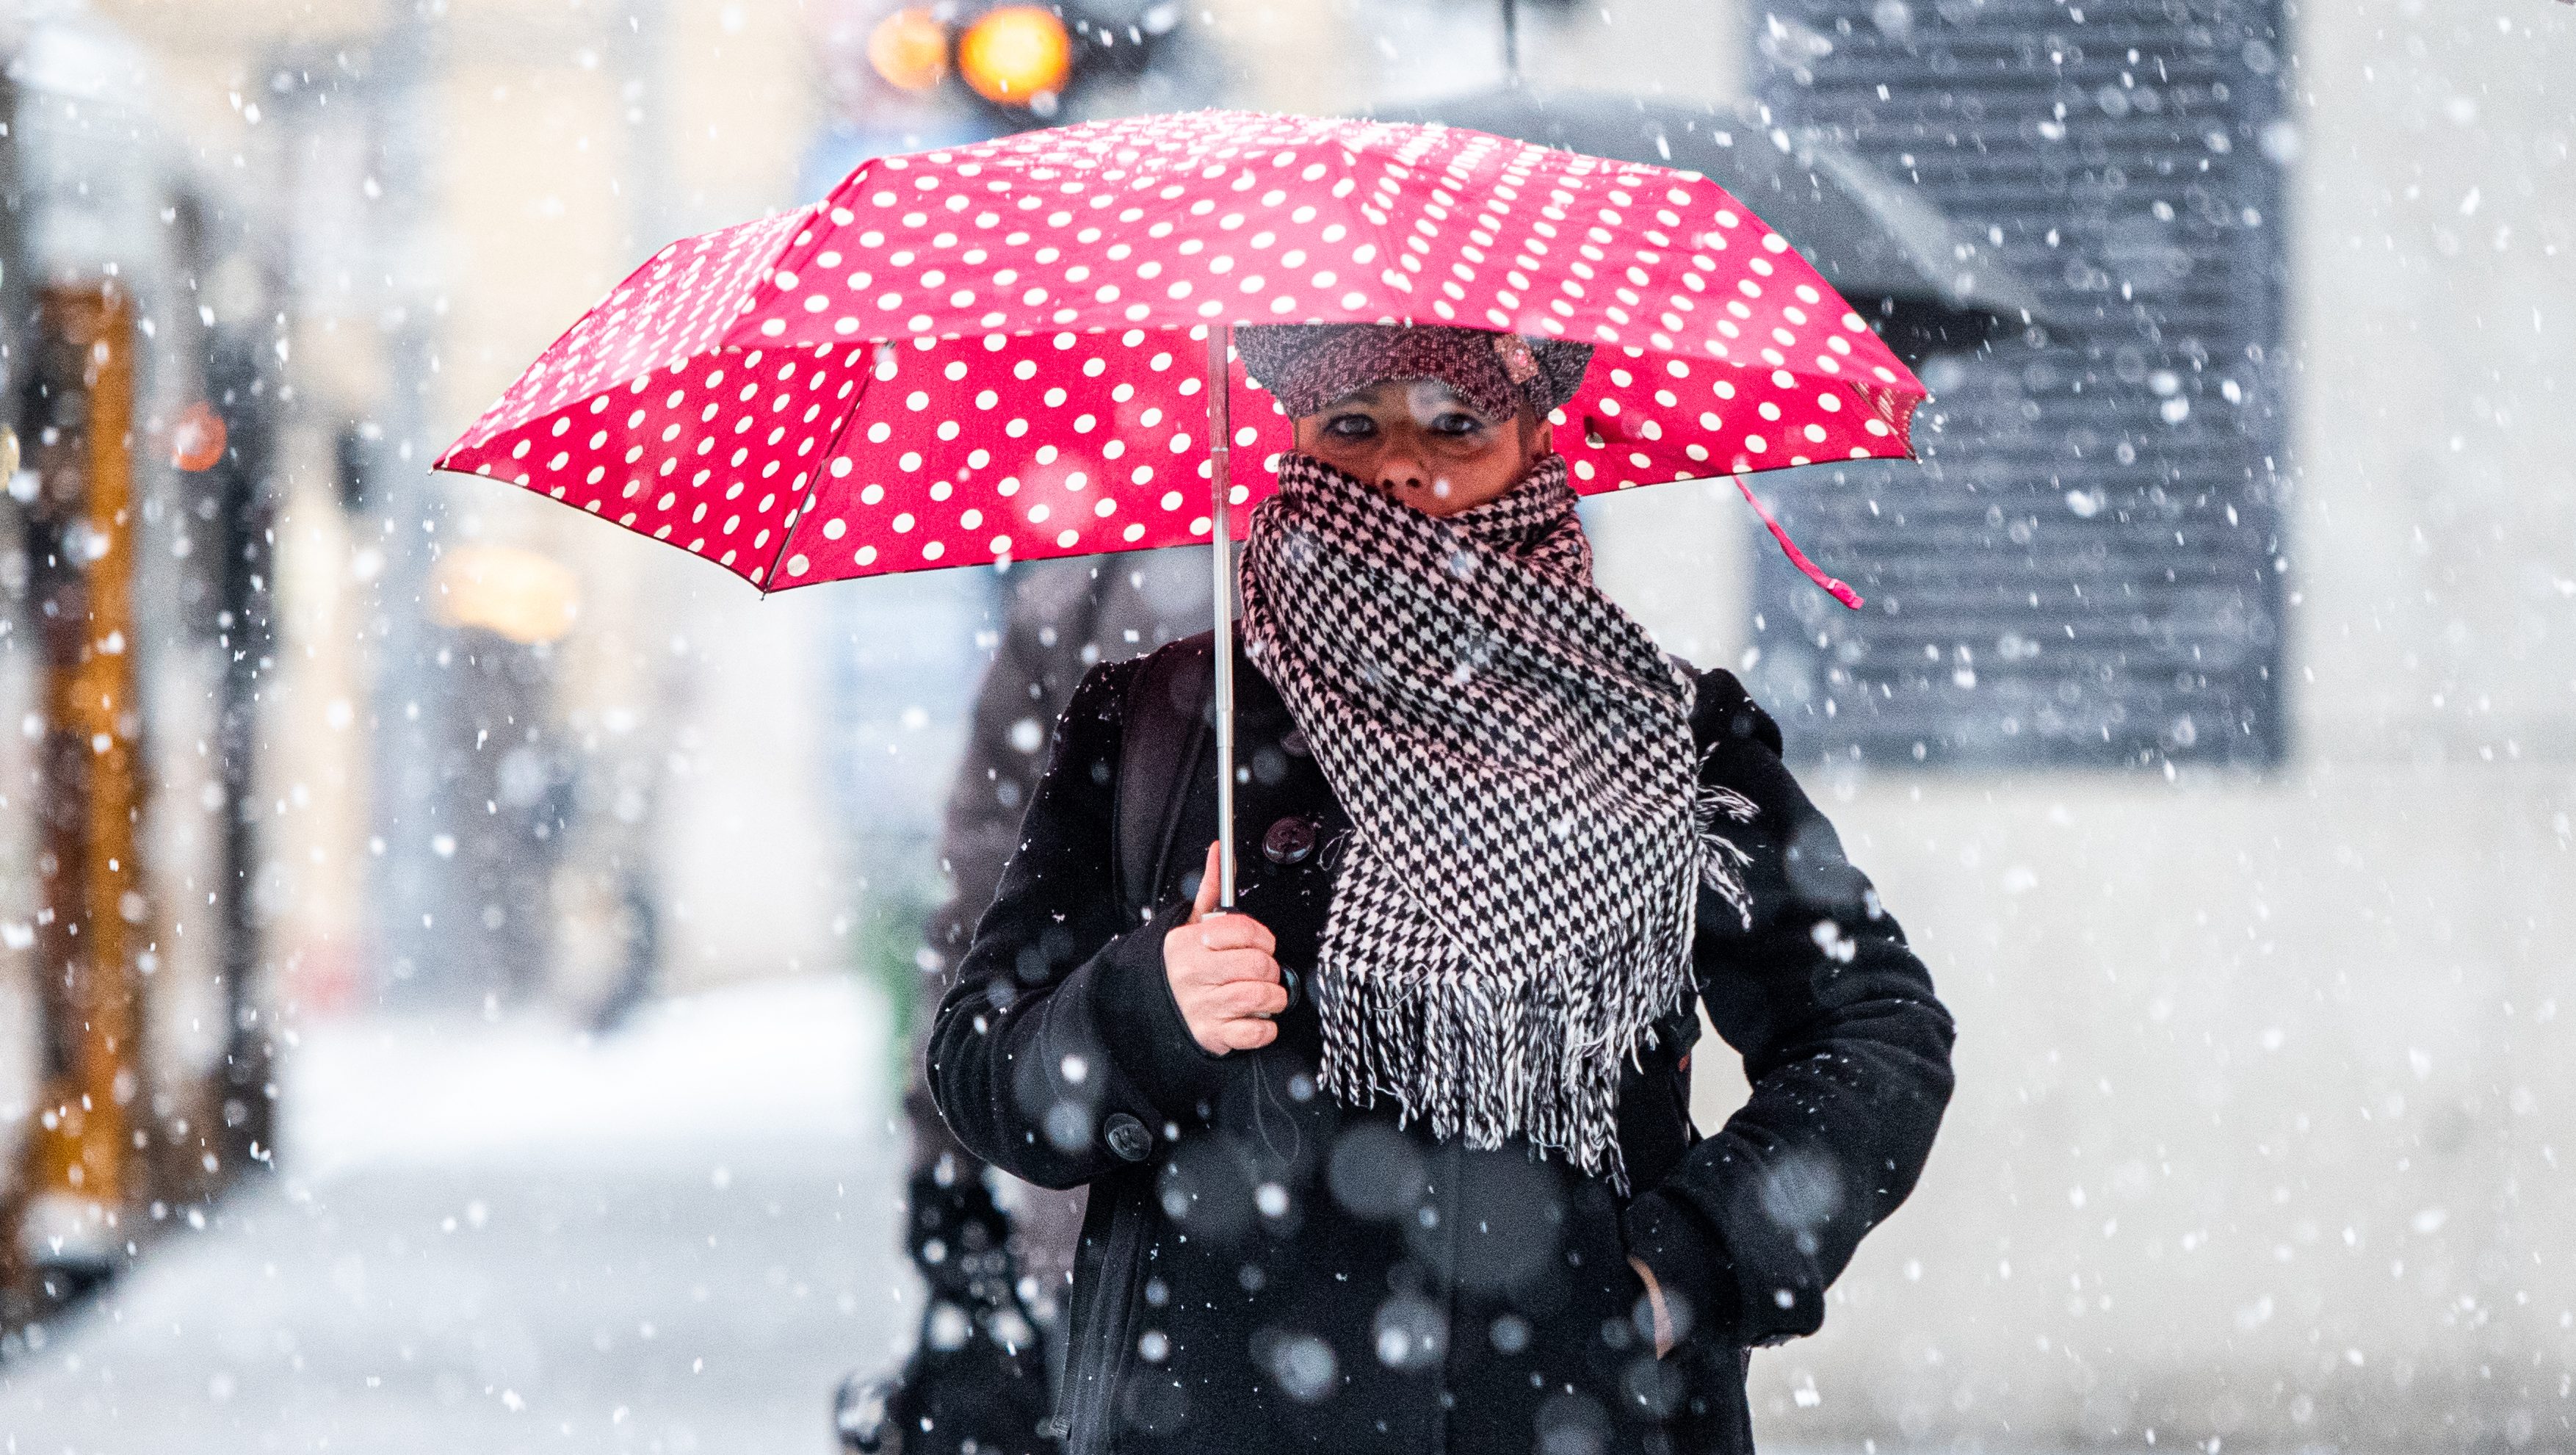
1512 42
1221 485
17 301
245 512
415 892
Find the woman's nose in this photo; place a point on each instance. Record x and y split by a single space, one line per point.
1402 470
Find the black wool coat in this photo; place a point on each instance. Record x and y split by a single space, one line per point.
1265 1269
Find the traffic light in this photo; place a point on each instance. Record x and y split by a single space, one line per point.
909 49
1023 60
1015 54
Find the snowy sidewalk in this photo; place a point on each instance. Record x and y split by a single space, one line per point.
498 1238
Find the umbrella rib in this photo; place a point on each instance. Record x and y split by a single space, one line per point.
822 472
1391 244
813 212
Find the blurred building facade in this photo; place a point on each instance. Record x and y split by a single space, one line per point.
529 762
134 633
2263 1075
2264 1085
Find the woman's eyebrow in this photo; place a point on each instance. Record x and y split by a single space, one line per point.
1369 397
1440 394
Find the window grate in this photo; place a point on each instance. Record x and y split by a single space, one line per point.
2088 569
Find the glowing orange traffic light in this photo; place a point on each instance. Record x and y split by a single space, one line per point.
910 50
1015 54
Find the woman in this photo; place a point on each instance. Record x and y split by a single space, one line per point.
1397 1156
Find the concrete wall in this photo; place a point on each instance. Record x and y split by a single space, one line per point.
2259 1088
1325 56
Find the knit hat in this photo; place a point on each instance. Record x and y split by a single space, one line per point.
1306 366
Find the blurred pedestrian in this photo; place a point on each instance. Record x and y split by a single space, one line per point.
1005 1262
1397 1155
1060 619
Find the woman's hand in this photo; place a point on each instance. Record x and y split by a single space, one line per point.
1224 975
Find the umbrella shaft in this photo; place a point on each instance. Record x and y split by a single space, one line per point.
1220 483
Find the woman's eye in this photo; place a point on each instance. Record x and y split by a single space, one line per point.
1350 426
1454 423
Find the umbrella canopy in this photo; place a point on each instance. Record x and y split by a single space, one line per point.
992 352
1869 236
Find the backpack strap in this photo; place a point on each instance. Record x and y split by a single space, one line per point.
1162 738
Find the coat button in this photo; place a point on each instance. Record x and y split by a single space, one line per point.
1290 841
1294 744
1127 1137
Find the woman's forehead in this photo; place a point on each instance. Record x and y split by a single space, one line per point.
1418 395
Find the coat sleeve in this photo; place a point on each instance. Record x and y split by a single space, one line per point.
1846 1048
1058 1054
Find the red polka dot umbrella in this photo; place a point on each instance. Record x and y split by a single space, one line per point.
997 351
1003 351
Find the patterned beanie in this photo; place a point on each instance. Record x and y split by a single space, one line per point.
1306 366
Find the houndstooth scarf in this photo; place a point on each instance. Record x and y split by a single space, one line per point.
1517 905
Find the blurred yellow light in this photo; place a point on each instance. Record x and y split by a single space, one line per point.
1015 54
910 50
519 594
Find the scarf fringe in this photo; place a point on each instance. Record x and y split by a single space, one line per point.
1484 1053
1721 863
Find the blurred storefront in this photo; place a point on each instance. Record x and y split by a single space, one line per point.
135 635
529 769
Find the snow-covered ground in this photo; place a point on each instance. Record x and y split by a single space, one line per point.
497 1237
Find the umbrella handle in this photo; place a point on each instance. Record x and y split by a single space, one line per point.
1220 387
